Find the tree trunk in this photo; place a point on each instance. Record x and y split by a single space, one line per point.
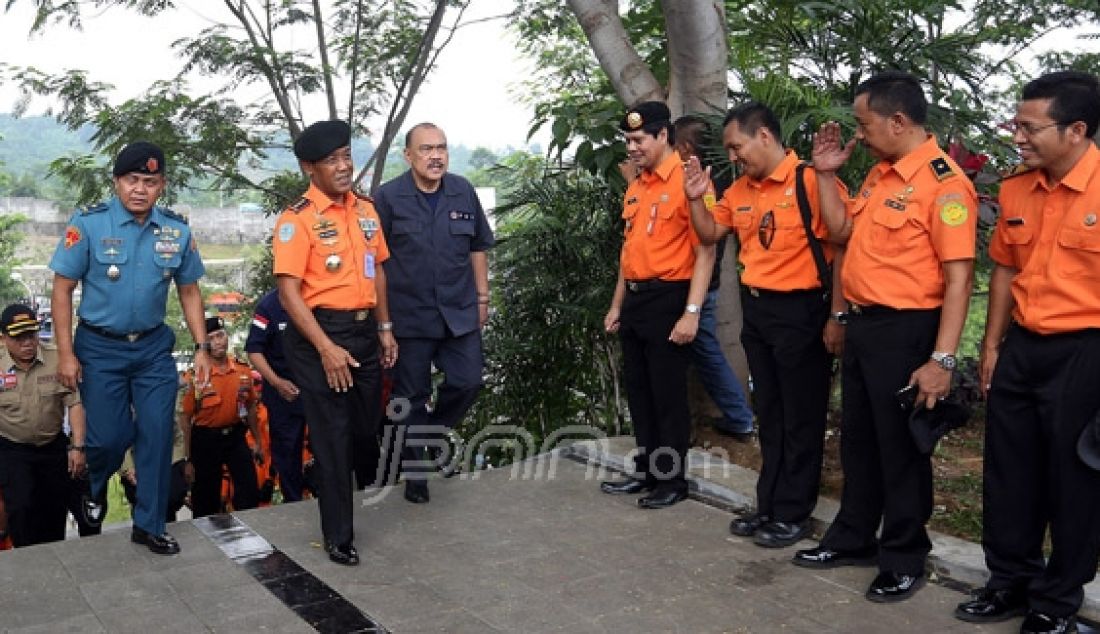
632 79
697 54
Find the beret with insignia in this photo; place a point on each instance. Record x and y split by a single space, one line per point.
214 324
321 139
643 114
141 157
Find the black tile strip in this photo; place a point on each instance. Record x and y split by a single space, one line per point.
309 597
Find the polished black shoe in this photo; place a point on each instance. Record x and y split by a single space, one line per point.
662 499
891 587
992 606
344 554
1040 623
747 525
781 534
163 544
625 487
93 509
823 557
416 491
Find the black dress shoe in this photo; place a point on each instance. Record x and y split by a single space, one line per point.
625 487
991 606
344 554
747 525
890 587
1041 623
416 491
662 499
781 534
163 544
823 557
93 509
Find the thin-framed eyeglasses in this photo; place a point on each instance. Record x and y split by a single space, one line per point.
1027 129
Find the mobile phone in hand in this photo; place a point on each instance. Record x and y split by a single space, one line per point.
905 397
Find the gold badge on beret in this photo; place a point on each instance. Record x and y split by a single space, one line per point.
634 120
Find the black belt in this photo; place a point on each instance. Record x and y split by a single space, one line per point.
334 315
766 292
128 336
221 431
642 286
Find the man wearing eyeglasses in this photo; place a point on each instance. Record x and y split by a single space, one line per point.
36 457
1040 364
787 334
906 276
663 276
438 269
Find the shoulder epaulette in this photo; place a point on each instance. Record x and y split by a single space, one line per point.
93 209
302 203
941 168
173 215
1019 170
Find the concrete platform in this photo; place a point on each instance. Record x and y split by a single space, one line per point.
532 549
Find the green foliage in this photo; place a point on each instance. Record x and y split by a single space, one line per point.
10 238
549 362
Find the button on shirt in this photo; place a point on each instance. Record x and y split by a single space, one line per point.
909 218
765 212
1050 232
334 247
218 403
658 239
33 401
124 267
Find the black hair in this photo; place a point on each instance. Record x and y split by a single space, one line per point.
694 131
1074 95
753 115
895 91
653 129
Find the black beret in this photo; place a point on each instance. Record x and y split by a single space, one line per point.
927 426
18 319
214 324
321 139
140 156
644 113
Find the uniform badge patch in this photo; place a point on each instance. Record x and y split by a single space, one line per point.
941 169
286 232
72 236
1090 220
953 213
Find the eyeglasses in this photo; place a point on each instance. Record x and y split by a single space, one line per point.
1027 129
766 232
425 149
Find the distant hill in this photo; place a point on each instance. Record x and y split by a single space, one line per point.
28 144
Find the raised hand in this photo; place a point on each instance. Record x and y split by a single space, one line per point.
830 152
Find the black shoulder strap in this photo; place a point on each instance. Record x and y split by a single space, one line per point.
823 272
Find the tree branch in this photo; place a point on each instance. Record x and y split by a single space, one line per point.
630 76
326 70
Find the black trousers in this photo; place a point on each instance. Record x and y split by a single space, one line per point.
177 493
35 482
885 477
339 420
790 371
211 448
655 375
1044 392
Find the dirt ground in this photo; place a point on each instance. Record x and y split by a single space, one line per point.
957 468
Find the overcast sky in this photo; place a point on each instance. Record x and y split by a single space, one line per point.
468 95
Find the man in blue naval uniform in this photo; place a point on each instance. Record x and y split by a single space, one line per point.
125 253
286 419
438 275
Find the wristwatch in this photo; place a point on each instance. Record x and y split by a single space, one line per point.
385 326
692 309
840 317
945 360
79 448
205 346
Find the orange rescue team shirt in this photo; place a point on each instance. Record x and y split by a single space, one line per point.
774 249
216 404
1050 233
335 247
658 239
909 217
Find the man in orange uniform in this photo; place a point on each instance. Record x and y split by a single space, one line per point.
212 421
907 276
786 312
328 251
1040 364
663 277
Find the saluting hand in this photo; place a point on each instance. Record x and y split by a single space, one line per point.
336 361
830 152
69 371
696 179
389 348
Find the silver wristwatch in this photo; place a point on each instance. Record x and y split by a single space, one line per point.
945 360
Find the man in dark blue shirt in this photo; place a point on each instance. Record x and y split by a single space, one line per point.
438 275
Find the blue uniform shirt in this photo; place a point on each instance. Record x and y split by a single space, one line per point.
429 279
125 268
266 337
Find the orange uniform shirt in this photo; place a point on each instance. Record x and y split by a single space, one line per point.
909 218
334 246
217 404
659 241
1050 232
766 212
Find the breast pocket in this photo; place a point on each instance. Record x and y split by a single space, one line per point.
887 235
405 226
1020 240
168 254
1078 255
210 401
106 257
9 401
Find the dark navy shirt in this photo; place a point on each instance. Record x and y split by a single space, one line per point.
429 279
265 336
